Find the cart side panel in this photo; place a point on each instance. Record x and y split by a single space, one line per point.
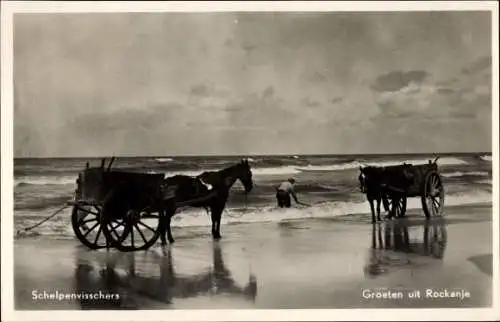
418 173
91 185
407 177
147 183
396 178
95 183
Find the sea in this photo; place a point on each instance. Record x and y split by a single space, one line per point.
328 182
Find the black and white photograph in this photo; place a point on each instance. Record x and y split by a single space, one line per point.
181 161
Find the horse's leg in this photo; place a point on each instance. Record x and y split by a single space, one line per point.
372 209
168 212
216 213
171 239
163 226
378 208
385 203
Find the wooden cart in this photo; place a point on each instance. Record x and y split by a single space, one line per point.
115 208
400 182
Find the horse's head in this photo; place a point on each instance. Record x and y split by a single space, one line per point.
244 174
370 177
363 184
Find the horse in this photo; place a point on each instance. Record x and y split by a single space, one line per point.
209 190
369 181
376 183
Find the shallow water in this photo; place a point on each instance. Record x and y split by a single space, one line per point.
328 182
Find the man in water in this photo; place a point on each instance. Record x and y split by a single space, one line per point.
283 193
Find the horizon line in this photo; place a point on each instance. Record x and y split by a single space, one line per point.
247 155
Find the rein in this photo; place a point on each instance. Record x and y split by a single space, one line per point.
186 203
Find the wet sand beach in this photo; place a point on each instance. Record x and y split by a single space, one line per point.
317 263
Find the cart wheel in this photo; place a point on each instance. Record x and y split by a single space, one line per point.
396 206
433 195
129 221
85 220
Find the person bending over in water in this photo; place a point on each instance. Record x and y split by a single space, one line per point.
283 193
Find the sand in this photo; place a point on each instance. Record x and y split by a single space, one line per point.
299 264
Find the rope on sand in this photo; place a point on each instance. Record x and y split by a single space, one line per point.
44 220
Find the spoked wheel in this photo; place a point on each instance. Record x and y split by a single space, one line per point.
433 195
85 220
396 206
130 221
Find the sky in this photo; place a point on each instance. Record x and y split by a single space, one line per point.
138 84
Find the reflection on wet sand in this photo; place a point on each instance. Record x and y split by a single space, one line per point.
393 247
121 276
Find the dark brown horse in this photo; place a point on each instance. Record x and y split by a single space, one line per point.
369 181
209 190
387 185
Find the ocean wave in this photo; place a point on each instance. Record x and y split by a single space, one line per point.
328 168
321 210
45 180
71 180
486 158
328 187
42 203
275 170
260 171
382 163
462 174
191 173
441 161
195 217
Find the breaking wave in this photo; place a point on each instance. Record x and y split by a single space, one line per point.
486 158
45 180
256 170
193 217
462 174
357 164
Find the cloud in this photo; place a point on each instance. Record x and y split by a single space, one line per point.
336 100
268 93
397 80
477 66
308 102
350 67
447 82
445 91
201 90
465 97
314 77
208 96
